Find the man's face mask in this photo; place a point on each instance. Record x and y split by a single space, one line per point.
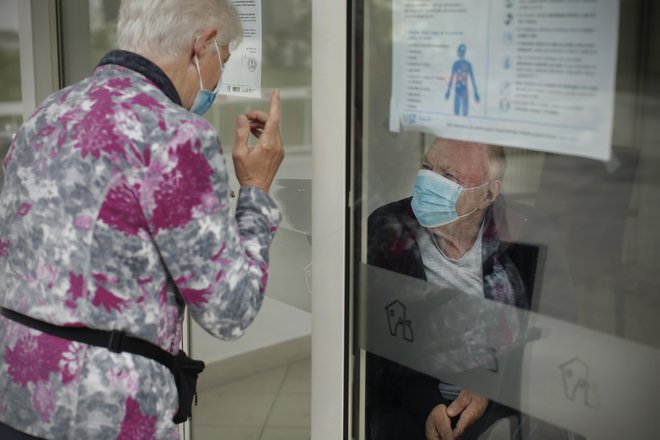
434 199
204 99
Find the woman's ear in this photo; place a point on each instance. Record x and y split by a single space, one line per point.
203 41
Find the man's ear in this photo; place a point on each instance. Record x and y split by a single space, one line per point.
204 41
493 190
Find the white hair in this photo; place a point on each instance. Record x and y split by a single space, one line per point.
497 162
495 165
168 28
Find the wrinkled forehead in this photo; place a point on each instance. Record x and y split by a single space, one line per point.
469 159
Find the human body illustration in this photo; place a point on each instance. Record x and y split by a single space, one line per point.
459 73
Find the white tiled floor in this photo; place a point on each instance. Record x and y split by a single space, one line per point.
273 405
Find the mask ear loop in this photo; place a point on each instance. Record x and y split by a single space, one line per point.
199 72
469 189
477 187
222 69
469 213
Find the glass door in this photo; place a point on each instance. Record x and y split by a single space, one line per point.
504 280
259 387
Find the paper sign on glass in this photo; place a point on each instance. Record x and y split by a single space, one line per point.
535 74
242 73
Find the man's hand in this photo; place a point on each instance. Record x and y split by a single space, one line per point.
438 424
256 165
468 406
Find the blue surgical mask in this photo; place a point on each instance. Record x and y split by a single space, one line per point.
205 98
434 199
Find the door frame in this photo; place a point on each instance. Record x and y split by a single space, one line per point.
330 196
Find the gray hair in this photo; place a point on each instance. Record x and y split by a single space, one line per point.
168 28
496 161
495 165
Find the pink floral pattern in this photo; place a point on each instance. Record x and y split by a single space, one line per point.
23 209
112 190
136 425
43 400
21 360
122 211
106 299
175 202
4 248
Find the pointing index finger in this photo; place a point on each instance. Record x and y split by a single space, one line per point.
274 111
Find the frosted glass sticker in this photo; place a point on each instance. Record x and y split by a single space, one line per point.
242 74
535 74
565 374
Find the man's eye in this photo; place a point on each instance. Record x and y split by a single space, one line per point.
426 166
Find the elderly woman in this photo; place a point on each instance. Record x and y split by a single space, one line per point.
115 215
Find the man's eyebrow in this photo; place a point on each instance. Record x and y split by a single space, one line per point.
453 172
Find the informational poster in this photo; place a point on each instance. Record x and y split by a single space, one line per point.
534 74
242 73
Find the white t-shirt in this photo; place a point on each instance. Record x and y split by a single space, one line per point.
463 274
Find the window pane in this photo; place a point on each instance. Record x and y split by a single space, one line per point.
262 382
10 76
553 283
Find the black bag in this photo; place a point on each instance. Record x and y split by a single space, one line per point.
185 371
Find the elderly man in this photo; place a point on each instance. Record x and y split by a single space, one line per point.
457 233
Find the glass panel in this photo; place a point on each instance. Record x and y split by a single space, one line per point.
542 303
11 110
259 385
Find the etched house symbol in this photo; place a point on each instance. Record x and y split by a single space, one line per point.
575 374
397 322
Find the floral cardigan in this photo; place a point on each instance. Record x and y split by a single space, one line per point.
115 215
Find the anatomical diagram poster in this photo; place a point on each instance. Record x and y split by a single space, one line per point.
533 74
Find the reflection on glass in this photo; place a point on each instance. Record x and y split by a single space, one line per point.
459 233
102 27
10 77
287 66
565 280
262 382
88 33
295 196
